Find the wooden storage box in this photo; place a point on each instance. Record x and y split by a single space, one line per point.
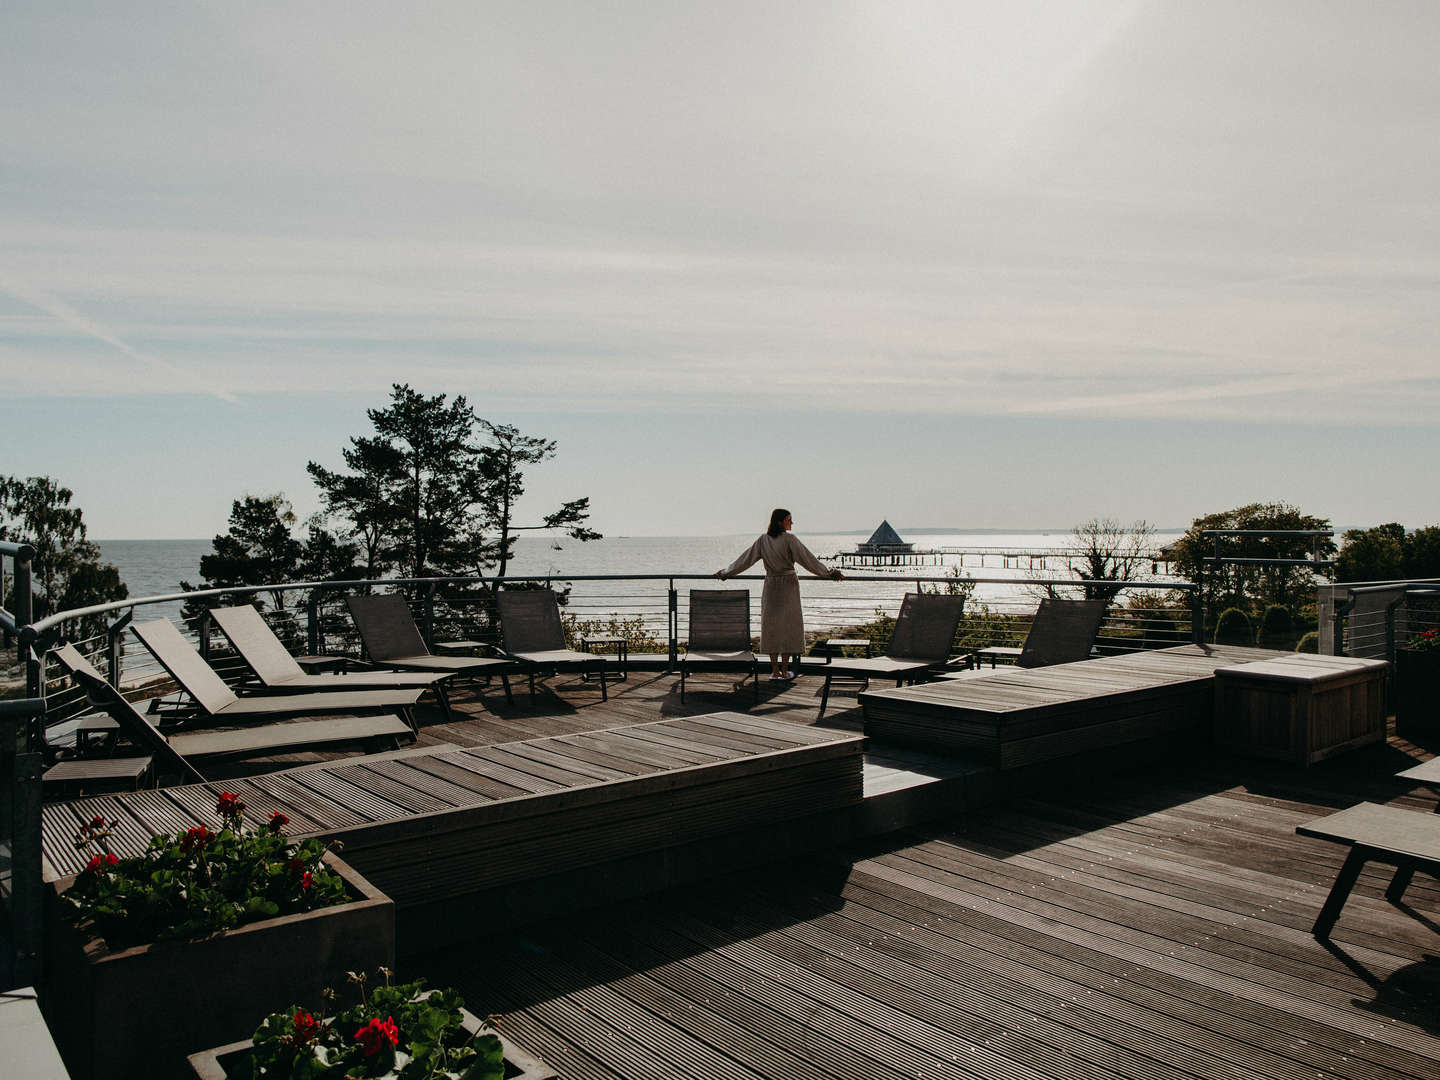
1300 709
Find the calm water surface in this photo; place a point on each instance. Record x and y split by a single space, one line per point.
156 567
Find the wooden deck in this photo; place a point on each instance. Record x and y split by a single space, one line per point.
1151 928
1156 929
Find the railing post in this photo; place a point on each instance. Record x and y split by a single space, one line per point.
1338 633
113 632
430 615
674 620
312 623
1197 617
24 595
204 629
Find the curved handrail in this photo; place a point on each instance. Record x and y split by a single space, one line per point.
34 630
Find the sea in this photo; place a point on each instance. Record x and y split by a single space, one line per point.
157 567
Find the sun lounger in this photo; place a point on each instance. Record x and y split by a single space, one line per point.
175 751
392 640
1062 632
214 701
1405 839
921 641
719 638
535 638
267 657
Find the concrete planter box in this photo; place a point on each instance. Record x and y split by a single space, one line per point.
1417 694
225 1061
140 1011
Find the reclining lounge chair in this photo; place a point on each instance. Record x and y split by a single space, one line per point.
535 639
214 701
1062 632
921 641
174 752
246 629
392 640
719 638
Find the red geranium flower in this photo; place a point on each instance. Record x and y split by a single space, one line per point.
296 865
278 821
229 805
306 1026
196 839
98 864
97 823
374 1035
306 880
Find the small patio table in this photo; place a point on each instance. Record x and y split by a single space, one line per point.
622 654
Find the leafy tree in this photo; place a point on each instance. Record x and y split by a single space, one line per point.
501 463
414 485
257 549
324 556
1247 586
1376 554
424 498
67 569
1422 553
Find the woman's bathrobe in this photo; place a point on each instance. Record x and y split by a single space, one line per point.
782 623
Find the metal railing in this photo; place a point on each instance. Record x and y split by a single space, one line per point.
649 611
1373 619
21 557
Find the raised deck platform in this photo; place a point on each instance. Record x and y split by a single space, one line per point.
1014 717
504 830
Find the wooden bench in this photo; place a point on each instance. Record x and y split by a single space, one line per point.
1404 839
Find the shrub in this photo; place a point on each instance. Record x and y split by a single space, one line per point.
1309 643
1234 628
1277 627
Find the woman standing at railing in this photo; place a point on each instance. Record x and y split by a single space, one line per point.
782 623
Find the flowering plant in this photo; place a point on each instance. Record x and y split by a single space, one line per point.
199 882
1427 639
394 1031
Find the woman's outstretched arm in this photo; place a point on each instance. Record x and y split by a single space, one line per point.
748 558
803 555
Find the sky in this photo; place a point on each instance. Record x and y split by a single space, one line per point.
955 264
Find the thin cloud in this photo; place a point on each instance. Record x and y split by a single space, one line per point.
57 308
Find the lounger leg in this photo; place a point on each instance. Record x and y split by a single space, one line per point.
755 675
443 696
824 696
604 693
505 682
1400 882
532 688
408 715
682 684
1339 892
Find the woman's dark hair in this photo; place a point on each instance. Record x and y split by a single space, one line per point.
777 521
